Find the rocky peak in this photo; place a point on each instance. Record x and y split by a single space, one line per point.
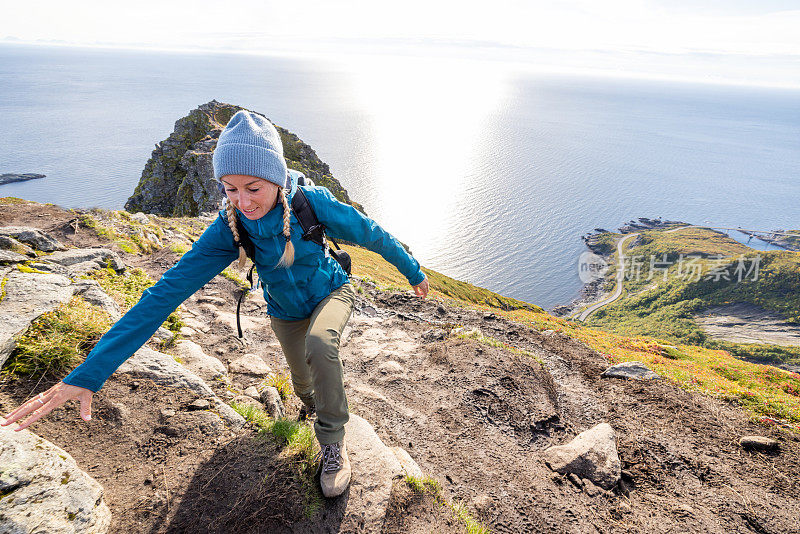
178 179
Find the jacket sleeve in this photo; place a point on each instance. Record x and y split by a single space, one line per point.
346 222
209 255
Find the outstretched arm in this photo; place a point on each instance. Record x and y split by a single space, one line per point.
210 254
346 222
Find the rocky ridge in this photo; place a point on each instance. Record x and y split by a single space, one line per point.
178 179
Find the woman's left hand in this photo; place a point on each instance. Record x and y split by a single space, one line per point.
421 289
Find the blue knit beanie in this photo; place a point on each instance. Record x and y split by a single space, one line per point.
250 145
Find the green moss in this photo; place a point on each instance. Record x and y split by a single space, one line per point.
28 269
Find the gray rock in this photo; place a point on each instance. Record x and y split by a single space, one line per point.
215 301
410 467
375 467
10 177
186 331
103 257
162 334
33 237
44 490
8 256
28 295
205 366
9 243
200 404
48 267
390 367
592 455
631 370
252 392
250 364
272 402
92 293
164 370
141 218
761 443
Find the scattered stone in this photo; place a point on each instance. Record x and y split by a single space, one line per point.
164 370
625 508
434 334
208 422
205 366
162 334
28 295
273 404
166 413
196 325
592 455
33 237
103 257
483 504
43 489
410 467
631 370
199 404
441 310
140 217
227 321
250 364
252 392
390 367
489 316
215 301
575 479
590 489
244 400
759 443
186 331
92 293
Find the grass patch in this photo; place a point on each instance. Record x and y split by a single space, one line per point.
371 266
58 341
299 448
126 290
458 509
236 277
282 382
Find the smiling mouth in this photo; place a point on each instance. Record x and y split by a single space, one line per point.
250 211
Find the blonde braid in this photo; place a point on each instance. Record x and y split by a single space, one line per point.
232 224
288 253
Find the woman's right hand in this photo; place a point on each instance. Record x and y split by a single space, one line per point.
46 402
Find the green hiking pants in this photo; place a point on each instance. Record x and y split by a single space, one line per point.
311 348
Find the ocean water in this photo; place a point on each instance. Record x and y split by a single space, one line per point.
490 173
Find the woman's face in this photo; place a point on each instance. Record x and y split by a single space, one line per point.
251 195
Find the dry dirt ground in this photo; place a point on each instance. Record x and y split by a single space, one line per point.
474 416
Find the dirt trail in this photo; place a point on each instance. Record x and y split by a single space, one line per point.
474 416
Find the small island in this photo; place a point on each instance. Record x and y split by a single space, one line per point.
10 178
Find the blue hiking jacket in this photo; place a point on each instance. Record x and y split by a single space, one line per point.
291 294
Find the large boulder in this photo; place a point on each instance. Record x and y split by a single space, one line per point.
205 366
27 296
592 455
33 237
44 490
630 370
94 257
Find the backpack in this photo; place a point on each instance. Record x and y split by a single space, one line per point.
313 230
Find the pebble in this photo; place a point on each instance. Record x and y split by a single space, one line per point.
200 404
760 443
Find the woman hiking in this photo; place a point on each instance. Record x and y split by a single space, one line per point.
308 293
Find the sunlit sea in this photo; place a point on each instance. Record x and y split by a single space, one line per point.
489 172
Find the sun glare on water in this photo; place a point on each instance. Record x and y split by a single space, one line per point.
427 118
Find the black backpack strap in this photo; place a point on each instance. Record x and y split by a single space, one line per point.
245 241
241 299
312 229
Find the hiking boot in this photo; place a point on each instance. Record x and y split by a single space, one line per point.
307 412
334 474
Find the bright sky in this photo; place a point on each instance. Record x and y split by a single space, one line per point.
745 41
